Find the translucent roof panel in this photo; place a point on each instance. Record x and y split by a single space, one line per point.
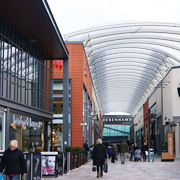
127 61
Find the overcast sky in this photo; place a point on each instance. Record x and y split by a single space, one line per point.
73 15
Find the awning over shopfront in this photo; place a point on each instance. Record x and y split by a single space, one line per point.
128 61
35 20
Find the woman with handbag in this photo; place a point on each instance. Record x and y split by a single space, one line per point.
144 149
99 156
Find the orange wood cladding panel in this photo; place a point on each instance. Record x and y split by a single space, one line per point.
101 124
146 121
87 78
77 65
47 83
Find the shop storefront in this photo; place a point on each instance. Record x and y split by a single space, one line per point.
28 129
79 125
146 123
2 130
25 91
87 123
57 126
140 137
25 100
153 127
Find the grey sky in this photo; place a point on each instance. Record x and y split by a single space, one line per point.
73 15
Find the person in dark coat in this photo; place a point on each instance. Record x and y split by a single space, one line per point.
113 153
132 152
13 161
99 156
135 147
86 148
109 151
143 149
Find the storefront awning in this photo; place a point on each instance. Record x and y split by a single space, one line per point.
35 20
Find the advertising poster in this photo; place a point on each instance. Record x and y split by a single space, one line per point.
36 165
28 163
1 155
48 165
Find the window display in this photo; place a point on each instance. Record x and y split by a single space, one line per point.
28 131
57 137
57 127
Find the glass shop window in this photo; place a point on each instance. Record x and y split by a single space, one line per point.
28 132
2 131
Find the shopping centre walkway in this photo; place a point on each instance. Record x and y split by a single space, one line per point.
129 170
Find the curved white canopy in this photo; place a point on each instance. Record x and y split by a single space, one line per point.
127 61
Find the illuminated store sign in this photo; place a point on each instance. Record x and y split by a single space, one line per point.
25 121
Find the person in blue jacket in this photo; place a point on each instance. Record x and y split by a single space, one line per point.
109 149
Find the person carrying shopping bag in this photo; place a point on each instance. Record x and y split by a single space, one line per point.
144 150
99 155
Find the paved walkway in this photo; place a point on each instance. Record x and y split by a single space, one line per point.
128 171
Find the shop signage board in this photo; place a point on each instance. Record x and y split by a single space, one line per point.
117 119
169 155
25 121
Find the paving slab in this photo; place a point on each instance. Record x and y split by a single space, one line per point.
129 171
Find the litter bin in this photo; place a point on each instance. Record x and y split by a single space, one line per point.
151 155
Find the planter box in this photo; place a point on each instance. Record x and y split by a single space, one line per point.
83 157
77 163
71 160
80 159
74 160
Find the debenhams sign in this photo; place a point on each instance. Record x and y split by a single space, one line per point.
117 120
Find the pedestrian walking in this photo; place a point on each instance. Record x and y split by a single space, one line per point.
13 161
144 148
113 153
99 156
86 148
123 150
116 154
109 149
131 152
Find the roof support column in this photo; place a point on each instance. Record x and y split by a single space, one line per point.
65 103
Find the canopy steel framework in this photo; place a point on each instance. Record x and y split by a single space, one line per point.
127 61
